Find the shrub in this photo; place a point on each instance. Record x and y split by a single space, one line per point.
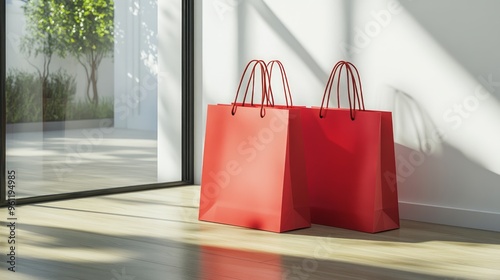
24 99
61 89
82 110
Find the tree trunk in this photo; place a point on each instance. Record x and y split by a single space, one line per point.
95 94
45 96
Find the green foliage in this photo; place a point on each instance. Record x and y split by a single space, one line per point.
61 90
41 34
83 110
24 99
81 28
91 25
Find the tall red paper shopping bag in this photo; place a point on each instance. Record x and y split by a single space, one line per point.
350 160
254 172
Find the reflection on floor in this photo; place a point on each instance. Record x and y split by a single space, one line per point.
156 235
54 162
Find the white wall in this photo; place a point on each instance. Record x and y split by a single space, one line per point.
434 66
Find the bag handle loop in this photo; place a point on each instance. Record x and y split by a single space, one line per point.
353 80
284 81
255 64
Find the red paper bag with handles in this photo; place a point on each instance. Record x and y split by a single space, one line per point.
350 160
253 172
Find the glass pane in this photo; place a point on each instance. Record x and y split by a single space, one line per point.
93 94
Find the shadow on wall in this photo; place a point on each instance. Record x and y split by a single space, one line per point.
281 30
466 29
429 169
413 123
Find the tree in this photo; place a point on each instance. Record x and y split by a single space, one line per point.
88 34
40 38
81 28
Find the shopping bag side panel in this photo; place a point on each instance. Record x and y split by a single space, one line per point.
213 182
389 210
295 206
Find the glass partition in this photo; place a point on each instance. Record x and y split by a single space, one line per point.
94 94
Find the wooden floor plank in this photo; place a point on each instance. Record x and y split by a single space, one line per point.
156 235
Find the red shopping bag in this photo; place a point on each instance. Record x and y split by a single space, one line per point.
253 172
350 161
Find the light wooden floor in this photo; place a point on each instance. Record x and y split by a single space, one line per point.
156 235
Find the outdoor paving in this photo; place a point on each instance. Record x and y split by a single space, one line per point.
54 162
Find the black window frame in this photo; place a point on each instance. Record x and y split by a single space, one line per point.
187 176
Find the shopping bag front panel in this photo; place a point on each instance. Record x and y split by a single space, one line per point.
244 164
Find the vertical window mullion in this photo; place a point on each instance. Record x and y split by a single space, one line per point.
3 185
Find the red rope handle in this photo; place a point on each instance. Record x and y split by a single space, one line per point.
328 88
264 78
353 81
357 87
284 81
264 84
361 102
